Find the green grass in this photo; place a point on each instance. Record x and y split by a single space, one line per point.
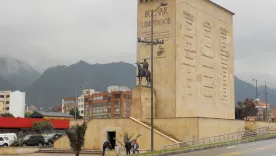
206 145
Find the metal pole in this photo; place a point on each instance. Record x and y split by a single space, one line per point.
151 116
266 101
256 89
76 103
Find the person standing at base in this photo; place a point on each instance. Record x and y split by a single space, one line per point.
117 150
106 144
135 147
128 146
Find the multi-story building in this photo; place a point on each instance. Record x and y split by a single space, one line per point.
13 103
261 116
31 108
70 103
115 103
81 100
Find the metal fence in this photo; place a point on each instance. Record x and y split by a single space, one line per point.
231 138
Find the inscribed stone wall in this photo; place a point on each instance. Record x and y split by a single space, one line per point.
164 55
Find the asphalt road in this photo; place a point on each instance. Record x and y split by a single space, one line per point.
260 148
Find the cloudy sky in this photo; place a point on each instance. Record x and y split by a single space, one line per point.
50 32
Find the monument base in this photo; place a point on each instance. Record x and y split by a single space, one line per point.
141 103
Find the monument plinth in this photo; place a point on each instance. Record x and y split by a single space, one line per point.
141 104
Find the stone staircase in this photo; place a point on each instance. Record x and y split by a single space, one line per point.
164 132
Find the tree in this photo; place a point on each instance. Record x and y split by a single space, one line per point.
245 109
76 136
72 112
27 114
7 115
39 127
126 136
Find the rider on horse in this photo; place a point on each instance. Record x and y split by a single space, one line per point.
145 67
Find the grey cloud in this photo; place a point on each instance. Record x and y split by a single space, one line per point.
51 32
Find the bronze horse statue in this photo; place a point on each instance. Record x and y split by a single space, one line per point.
143 73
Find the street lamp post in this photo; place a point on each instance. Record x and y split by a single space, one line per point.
266 101
256 87
152 42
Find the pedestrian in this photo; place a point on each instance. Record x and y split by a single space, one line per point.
106 144
135 147
128 146
117 150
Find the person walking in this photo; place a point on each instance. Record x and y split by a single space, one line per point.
117 150
128 146
106 144
135 147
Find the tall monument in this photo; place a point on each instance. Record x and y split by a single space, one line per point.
194 69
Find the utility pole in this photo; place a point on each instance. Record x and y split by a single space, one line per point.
152 43
256 88
266 101
76 103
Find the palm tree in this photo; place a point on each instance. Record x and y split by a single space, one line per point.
76 135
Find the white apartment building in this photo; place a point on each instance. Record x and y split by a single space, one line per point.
70 103
13 103
81 99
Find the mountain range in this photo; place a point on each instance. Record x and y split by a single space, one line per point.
18 73
50 87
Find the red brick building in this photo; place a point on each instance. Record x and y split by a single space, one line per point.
116 104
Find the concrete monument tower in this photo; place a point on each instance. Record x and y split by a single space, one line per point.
194 68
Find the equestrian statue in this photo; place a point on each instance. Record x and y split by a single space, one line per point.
144 72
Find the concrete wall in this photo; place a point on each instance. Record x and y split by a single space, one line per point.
187 129
213 127
97 130
17 150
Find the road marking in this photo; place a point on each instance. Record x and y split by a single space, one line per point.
231 146
247 151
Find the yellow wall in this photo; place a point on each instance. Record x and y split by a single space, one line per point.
213 127
185 129
97 130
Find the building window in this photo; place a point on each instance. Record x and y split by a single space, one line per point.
2 96
109 110
117 96
7 102
117 104
117 115
7 96
7 108
86 100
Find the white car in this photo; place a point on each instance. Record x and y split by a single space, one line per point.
11 136
4 141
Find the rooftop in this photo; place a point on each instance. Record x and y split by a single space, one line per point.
51 114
